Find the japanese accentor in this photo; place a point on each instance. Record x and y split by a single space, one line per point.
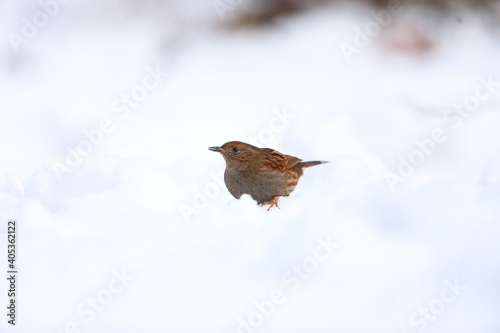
263 173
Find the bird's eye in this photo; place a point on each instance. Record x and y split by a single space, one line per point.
236 149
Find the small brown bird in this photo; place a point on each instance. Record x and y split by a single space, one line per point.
263 173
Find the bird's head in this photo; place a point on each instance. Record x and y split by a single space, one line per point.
236 153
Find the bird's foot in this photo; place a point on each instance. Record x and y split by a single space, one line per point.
273 202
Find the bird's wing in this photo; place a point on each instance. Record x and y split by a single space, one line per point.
277 161
292 161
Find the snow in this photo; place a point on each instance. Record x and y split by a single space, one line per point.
148 199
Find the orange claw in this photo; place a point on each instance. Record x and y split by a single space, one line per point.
273 202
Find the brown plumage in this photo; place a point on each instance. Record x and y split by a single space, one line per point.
263 173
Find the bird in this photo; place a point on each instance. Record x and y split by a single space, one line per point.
263 173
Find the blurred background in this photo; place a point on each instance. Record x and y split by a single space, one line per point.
125 224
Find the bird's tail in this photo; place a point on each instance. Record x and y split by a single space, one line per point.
311 163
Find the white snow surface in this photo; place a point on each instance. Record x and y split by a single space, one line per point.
199 265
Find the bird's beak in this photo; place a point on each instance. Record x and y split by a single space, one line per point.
219 149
